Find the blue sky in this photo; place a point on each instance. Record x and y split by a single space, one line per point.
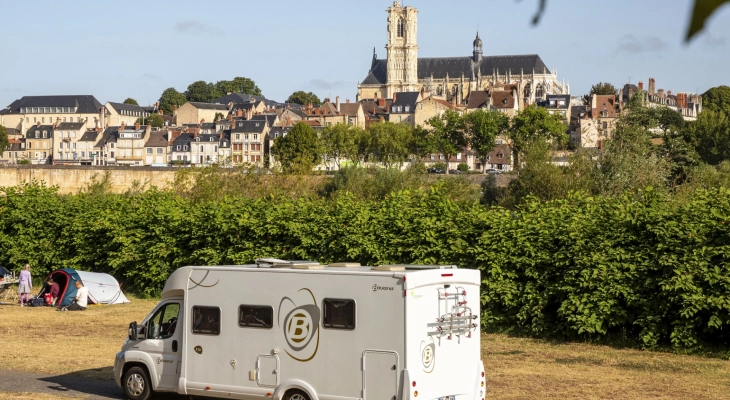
116 50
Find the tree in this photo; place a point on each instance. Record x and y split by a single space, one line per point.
218 116
303 98
717 99
239 84
600 89
339 141
447 133
299 151
535 124
482 129
131 101
4 142
710 136
201 91
391 142
155 120
171 98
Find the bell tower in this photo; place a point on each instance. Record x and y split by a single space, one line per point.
402 49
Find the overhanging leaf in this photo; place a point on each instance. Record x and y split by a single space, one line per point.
703 9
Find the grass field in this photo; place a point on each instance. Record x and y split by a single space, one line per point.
84 343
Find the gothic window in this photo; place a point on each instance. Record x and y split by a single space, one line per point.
538 92
400 28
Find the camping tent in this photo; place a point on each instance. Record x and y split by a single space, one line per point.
103 288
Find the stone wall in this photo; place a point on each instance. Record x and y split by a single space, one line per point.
70 179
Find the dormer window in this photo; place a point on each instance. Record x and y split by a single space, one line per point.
185 148
225 144
45 134
197 139
178 148
605 113
211 139
408 108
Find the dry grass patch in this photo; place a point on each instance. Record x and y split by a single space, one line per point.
84 343
527 368
43 340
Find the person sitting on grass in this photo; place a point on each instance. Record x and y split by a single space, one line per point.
80 301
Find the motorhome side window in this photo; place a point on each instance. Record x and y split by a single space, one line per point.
162 325
206 320
255 316
339 314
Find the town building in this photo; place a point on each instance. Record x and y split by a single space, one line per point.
195 113
118 113
45 110
130 145
247 142
451 77
591 125
39 143
156 149
66 143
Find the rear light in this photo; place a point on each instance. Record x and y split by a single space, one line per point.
482 374
447 274
482 383
414 384
404 279
415 394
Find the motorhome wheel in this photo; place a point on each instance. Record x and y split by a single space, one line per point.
137 384
295 394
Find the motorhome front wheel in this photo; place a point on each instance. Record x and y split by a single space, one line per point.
137 384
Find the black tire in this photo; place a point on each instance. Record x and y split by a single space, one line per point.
136 384
295 394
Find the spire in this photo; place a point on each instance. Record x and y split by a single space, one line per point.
477 49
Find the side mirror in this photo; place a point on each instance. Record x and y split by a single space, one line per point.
133 331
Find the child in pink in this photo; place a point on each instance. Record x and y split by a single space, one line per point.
25 284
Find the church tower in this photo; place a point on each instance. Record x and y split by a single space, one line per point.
402 49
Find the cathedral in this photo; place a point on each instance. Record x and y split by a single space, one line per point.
453 78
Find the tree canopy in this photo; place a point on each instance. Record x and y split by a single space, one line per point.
239 84
155 120
4 141
170 98
202 92
303 98
299 151
447 133
482 128
535 124
717 99
131 101
600 89
340 141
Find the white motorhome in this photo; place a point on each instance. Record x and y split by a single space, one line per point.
288 330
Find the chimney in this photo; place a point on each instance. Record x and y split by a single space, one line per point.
660 93
174 109
233 124
394 94
121 127
337 103
669 93
160 112
38 123
376 96
641 85
195 133
54 125
136 126
347 101
652 86
381 102
239 112
102 116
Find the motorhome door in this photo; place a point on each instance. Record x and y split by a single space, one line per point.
380 375
163 342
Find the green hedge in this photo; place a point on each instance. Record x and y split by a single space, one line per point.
642 269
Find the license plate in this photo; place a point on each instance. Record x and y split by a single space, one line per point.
447 398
